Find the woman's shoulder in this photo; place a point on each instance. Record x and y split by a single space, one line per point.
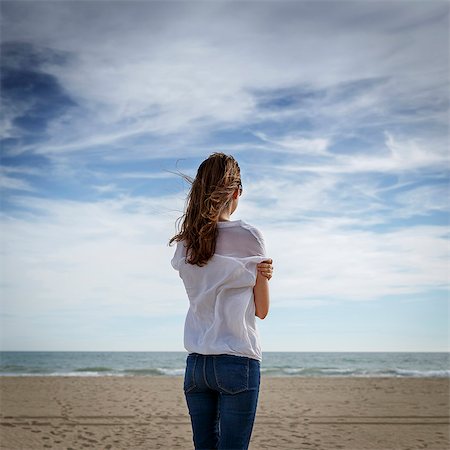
253 229
257 236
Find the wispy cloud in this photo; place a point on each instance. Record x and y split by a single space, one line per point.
297 144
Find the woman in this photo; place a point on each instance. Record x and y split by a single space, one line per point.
225 271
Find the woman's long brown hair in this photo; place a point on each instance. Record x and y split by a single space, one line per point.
217 178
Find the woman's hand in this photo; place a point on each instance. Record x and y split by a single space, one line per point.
265 268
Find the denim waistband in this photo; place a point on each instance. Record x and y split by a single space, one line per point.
225 354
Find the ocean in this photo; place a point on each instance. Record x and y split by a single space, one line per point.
280 364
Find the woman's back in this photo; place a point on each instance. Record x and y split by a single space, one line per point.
238 238
221 316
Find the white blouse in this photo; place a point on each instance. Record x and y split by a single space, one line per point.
221 315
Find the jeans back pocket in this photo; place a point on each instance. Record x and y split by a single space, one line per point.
189 374
232 373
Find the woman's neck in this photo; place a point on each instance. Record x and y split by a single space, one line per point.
224 216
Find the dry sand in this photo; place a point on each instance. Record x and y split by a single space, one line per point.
293 413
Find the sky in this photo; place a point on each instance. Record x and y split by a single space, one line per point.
337 113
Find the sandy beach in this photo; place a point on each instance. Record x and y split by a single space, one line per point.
293 413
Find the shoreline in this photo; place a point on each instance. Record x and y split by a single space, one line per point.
146 412
314 377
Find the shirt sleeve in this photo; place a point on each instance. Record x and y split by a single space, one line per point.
177 256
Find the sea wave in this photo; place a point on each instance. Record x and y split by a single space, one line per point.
94 369
324 372
155 371
351 372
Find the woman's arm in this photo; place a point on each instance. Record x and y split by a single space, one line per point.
261 295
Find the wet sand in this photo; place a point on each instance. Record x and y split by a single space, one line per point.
293 413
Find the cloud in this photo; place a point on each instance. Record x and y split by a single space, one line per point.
12 178
75 256
180 71
7 182
325 262
31 98
297 144
423 200
398 155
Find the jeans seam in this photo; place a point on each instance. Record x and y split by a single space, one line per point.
214 370
194 385
248 373
193 372
204 372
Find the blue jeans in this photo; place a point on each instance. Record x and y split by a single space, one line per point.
221 394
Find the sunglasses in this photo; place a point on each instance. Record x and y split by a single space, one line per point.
240 189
